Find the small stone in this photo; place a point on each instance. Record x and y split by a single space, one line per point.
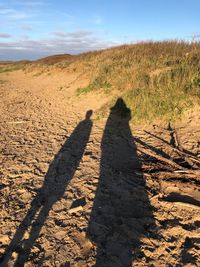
26 235
43 167
14 255
60 234
35 250
84 243
4 239
59 206
75 210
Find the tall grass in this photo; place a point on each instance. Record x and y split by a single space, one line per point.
10 67
157 79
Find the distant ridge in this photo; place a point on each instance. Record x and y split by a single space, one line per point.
6 62
55 59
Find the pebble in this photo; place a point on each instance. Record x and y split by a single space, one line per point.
4 239
75 210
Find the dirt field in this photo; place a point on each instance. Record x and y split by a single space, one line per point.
78 190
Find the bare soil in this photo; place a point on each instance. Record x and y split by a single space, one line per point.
79 190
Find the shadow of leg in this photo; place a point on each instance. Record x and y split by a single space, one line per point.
23 227
34 234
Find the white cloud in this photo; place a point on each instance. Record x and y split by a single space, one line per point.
26 27
12 14
5 35
75 34
28 3
71 42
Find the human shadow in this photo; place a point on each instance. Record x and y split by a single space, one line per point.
121 211
56 180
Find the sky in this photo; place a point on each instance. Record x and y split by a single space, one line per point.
32 29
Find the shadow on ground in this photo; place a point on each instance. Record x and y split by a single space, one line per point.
59 174
121 212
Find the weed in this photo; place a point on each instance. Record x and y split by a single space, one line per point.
84 90
10 68
95 85
196 81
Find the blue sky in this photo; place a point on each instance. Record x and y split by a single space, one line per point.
32 29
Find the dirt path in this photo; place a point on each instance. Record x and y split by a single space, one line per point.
72 189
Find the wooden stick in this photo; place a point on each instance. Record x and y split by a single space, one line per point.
178 174
162 159
180 152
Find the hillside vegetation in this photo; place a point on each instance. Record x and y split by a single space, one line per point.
159 79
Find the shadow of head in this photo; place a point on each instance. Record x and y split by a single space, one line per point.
120 109
88 114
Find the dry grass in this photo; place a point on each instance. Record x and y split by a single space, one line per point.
10 67
157 79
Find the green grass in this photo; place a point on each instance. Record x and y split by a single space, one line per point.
97 84
84 90
10 68
157 79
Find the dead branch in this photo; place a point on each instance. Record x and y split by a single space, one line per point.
188 158
160 158
186 174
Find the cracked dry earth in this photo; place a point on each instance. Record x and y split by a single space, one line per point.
73 192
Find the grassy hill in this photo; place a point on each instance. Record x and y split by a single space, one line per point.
158 80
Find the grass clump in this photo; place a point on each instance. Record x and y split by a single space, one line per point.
166 95
97 84
193 88
83 90
196 81
9 68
